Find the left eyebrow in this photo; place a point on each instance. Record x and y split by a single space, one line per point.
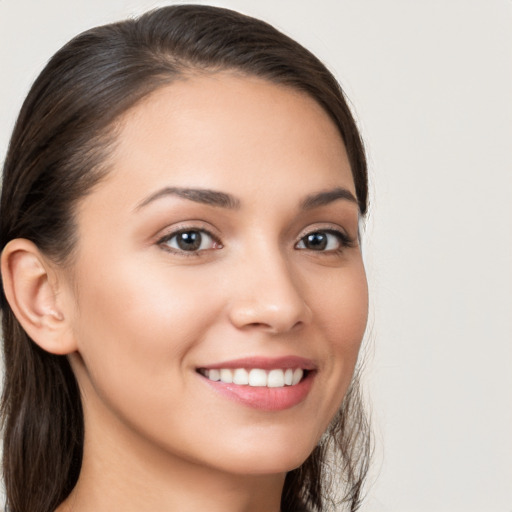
197 195
326 197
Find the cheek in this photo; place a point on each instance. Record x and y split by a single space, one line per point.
138 301
342 308
138 326
137 333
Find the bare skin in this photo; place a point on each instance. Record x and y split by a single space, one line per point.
277 274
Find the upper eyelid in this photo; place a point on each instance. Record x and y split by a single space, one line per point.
325 227
170 231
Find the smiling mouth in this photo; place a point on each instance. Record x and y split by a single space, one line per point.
255 377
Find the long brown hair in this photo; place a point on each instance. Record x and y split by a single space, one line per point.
55 157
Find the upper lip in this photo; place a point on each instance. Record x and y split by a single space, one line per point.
265 363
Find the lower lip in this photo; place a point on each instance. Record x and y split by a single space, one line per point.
264 398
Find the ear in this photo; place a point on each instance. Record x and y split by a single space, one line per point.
31 285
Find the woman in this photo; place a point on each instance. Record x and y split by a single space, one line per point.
184 290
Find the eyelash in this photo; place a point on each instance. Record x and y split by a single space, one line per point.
342 238
187 230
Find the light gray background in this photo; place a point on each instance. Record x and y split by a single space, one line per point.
431 84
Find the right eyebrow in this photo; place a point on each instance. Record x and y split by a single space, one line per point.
328 196
198 195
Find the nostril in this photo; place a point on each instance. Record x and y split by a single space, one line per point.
273 327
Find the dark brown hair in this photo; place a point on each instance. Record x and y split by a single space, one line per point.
55 157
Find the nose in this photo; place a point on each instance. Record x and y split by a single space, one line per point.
268 296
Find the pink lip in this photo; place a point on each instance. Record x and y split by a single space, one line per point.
264 398
265 363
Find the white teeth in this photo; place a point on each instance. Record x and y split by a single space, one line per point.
275 379
213 375
226 376
297 376
241 376
256 377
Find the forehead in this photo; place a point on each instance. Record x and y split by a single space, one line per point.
226 131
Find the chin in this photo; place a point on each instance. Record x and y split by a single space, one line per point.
268 457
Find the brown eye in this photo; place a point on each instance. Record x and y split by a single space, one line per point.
315 241
190 240
322 241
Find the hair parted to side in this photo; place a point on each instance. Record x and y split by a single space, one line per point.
56 156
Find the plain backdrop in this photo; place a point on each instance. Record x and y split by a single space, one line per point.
431 86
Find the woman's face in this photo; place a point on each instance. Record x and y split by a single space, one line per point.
222 244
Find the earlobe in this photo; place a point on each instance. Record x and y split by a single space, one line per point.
32 291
